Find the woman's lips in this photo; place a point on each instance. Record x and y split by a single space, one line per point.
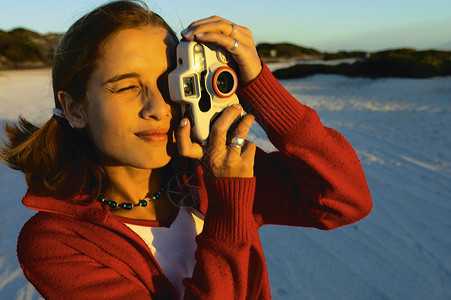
156 135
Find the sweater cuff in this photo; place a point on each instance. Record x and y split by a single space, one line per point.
274 108
229 214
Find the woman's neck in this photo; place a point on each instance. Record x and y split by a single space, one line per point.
129 185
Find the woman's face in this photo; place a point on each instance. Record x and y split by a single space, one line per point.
129 115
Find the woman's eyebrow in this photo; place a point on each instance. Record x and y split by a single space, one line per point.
120 77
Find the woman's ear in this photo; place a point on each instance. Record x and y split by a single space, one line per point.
73 110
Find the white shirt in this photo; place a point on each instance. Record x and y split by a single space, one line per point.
174 246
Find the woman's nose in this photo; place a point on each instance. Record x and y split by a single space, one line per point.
155 106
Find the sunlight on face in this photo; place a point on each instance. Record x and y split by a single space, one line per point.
129 115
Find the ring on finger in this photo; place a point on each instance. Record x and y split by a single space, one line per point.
238 142
234 31
235 45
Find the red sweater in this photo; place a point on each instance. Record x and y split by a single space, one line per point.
73 249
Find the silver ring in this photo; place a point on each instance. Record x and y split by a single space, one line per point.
238 142
237 42
234 31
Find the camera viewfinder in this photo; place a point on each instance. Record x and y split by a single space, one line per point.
188 86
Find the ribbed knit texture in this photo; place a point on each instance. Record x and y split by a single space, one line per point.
275 110
229 214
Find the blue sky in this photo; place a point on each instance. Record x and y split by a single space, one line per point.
327 25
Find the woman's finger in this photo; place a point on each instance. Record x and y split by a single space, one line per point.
245 56
248 153
226 25
185 146
221 26
218 133
243 127
217 30
224 41
214 35
241 131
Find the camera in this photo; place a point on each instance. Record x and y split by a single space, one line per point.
204 84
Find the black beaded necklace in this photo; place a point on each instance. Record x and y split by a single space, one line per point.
128 206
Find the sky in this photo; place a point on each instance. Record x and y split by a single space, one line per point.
326 25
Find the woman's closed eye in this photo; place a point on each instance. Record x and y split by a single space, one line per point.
125 88
128 88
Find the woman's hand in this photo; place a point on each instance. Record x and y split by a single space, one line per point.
220 158
224 33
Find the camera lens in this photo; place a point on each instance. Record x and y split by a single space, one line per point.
225 82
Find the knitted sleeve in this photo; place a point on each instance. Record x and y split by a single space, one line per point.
315 179
228 266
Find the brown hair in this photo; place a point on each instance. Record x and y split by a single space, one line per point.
56 159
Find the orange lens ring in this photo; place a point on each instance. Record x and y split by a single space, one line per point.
215 77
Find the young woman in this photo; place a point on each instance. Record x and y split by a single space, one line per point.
99 171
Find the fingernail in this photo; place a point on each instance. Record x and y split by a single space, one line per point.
237 106
183 122
186 32
198 35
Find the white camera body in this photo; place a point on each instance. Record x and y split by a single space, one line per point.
204 84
